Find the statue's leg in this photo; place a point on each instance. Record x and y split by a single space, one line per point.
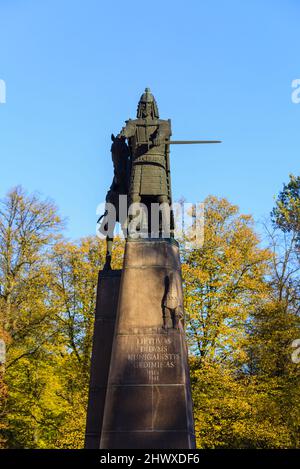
169 318
109 244
177 316
164 215
173 318
172 224
135 198
164 317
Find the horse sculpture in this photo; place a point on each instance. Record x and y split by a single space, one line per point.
119 187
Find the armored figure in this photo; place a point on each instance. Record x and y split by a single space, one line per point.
172 307
147 136
140 154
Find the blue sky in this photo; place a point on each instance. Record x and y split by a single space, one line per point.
74 71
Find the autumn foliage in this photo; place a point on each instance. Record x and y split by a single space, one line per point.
242 315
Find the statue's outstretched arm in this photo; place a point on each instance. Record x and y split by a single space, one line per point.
127 131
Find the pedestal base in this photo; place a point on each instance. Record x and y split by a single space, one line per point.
148 401
105 318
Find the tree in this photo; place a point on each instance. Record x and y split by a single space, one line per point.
242 313
274 326
286 213
3 390
74 294
28 228
224 282
47 303
242 305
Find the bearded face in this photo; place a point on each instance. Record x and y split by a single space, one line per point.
146 110
147 107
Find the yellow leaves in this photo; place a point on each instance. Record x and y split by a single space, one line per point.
245 391
243 383
235 413
223 279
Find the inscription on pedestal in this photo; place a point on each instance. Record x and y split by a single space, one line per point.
151 355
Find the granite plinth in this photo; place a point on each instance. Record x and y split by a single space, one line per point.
105 317
148 399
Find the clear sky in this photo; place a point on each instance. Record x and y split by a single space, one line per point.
74 71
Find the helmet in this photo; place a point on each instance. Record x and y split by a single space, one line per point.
147 98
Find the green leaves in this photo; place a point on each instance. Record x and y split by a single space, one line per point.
286 213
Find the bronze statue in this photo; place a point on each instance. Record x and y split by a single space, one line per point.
140 154
172 308
147 136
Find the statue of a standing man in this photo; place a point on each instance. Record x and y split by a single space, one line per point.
141 167
150 169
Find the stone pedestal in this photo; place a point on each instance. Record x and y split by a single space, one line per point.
105 318
148 401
